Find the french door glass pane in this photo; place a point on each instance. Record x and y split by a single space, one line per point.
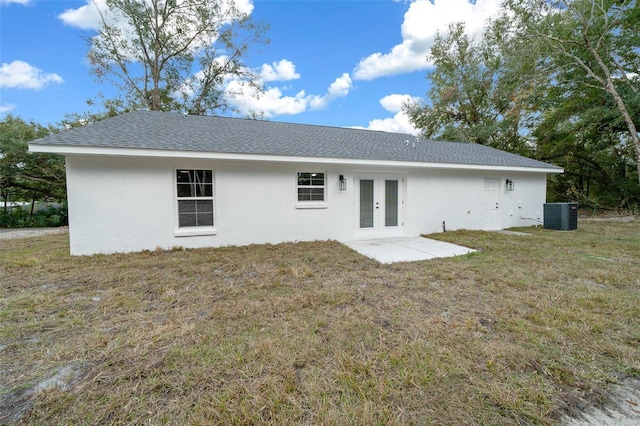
366 203
391 203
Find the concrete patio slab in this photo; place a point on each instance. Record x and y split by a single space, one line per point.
408 249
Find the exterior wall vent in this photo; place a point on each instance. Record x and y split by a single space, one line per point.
561 216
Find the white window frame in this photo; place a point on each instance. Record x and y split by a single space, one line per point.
186 231
311 204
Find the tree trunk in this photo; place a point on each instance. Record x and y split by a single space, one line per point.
630 125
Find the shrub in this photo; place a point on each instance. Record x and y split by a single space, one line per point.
43 216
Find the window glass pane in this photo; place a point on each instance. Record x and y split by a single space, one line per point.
391 203
183 176
186 206
304 194
206 176
185 190
205 219
366 204
317 179
304 179
188 219
204 206
207 191
317 194
201 190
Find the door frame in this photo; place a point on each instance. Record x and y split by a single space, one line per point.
379 229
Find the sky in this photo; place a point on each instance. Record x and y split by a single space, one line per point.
329 62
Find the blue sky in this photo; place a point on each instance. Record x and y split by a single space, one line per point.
329 62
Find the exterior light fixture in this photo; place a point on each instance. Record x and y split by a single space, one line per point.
342 185
510 185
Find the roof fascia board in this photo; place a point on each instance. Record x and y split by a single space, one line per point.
159 153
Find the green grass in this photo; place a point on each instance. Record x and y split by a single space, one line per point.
517 333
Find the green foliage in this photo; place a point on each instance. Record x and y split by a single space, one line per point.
475 96
43 216
27 176
586 136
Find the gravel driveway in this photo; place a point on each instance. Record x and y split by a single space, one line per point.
11 234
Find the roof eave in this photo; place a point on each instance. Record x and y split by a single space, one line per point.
160 153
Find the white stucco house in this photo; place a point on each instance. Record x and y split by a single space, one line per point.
147 180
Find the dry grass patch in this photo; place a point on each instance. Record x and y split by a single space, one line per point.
519 332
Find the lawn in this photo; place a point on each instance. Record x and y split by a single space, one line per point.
525 330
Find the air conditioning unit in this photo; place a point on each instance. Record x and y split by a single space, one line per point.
561 216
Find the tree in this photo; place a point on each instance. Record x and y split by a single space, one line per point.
26 176
596 42
174 55
474 95
584 133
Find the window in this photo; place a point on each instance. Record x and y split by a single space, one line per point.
310 186
195 197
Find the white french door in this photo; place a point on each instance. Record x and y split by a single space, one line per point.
378 204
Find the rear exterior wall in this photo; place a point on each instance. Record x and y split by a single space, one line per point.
125 204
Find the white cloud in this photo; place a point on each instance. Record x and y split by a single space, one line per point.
421 23
338 89
273 102
21 75
270 102
85 17
394 103
244 6
7 108
283 70
23 2
400 122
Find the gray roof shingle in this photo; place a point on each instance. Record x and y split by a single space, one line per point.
171 131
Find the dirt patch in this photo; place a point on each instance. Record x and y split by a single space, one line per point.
14 404
624 409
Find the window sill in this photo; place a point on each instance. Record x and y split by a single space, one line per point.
195 232
311 205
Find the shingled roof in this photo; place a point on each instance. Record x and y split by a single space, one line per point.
152 130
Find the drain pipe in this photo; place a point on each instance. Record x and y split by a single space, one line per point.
530 218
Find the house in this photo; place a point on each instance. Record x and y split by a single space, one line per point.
147 180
